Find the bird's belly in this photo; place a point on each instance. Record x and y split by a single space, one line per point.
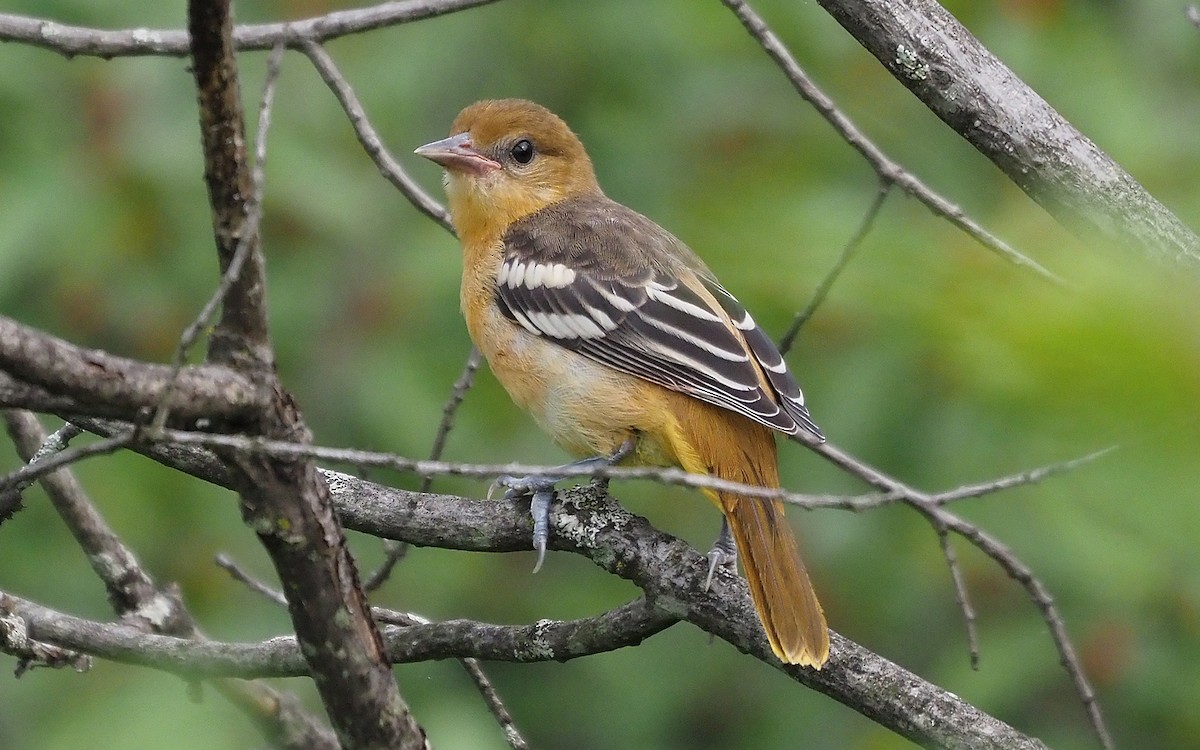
587 408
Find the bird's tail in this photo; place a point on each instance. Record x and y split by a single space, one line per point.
779 585
734 448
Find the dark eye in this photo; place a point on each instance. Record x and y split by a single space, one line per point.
522 151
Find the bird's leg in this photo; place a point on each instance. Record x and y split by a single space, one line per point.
723 553
540 488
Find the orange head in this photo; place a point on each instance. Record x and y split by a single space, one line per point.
507 158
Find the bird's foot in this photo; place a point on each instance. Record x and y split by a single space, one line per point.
540 490
722 555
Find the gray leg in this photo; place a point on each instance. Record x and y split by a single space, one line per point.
723 553
540 488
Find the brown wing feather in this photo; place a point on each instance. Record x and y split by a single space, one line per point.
605 281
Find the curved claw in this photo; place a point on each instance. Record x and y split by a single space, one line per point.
723 554
539 508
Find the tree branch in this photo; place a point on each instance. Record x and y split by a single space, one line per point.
889 171
943 520
952 73
667 569
285 500
39 370
544 640
585 522
139 603
370 140
72 41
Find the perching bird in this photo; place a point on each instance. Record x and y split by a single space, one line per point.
622 344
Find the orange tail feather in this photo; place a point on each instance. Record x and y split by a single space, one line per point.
779 585
710 440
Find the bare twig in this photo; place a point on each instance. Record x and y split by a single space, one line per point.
371 143
962 597
15 423
1032 476
226 563
52 462
889 171
397 550
457 394
495 705
545 640
940 518
427 468
789 337
73 41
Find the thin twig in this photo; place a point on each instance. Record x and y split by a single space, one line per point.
888 170
961 596
397 550
789 338
1023 574
1032 476
891 493
492 700
10 499
371 143
52 462
73 41
465 380
940 518
226 563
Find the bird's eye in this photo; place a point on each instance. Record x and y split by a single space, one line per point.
522 151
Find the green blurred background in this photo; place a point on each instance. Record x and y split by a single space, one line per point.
933 358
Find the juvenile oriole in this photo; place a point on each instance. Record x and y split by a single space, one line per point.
622 344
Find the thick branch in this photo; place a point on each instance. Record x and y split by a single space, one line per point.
285 500
544 640
667 569
39 371
931 53
240 338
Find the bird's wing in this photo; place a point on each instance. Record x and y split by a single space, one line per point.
604 281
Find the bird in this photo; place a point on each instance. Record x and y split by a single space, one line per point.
623 346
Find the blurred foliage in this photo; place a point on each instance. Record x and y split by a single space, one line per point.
933 358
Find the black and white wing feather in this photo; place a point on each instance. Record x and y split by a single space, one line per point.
636 312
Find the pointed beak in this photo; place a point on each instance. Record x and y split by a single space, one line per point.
456 154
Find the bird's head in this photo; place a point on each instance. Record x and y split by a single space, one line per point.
507 158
